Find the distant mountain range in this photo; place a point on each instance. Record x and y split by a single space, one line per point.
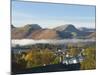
34 31
87 29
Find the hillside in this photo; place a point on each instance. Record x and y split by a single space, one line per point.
34 31
23 32
92 35
44 34
67 28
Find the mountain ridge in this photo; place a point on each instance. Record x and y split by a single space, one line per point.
34 31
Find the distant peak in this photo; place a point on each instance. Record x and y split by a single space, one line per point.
30 25
35 26
12 26
64 27
69 25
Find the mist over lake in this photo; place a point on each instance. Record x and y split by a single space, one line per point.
23 42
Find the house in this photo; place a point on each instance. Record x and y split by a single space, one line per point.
73 60
70 60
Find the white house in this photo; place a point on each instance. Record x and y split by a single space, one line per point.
73 60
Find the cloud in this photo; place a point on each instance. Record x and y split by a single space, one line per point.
23 42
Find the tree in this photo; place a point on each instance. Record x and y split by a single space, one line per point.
90 59
73 52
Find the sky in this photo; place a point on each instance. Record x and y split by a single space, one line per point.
50 15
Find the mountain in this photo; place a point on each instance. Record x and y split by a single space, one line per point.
12 26
66 28
32 27
87 29
92 36
44 34
34 31
68 31
23 32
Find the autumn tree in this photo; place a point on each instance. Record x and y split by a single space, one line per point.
90 59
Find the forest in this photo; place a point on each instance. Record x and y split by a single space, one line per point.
46 54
